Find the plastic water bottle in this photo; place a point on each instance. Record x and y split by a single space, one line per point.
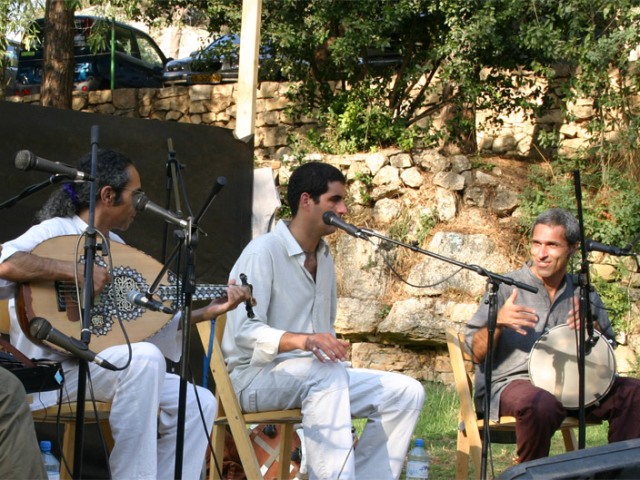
51 463
418 462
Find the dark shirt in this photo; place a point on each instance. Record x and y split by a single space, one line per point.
511 352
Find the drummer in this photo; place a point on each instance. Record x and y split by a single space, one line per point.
523 317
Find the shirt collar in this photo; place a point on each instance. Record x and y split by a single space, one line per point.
536 282
291 244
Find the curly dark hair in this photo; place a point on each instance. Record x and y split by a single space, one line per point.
69 199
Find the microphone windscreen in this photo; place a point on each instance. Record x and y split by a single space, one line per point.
39 328
23 160
140 201
328 216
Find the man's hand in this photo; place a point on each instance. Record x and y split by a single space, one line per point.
516 317
101 277
236 294
327 347
573 320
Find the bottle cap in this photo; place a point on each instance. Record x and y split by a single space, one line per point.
45 445
419 442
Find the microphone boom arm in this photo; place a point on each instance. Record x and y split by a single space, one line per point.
475 268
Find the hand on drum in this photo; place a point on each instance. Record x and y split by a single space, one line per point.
573 320
517 317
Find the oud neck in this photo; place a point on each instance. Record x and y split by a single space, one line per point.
203 292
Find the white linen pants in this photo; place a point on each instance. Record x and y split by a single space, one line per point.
144 414
329 395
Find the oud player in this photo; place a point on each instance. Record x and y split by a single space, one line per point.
144 398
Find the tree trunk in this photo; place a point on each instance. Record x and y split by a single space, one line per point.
58 61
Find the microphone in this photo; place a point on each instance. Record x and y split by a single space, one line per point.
594 246
142 203
142 300
42 330
26 160
331 218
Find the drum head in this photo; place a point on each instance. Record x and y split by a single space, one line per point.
553 366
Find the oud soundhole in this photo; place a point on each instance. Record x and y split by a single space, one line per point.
113 302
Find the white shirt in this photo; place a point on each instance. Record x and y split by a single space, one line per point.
168 339
288 300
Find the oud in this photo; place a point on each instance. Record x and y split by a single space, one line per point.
132 269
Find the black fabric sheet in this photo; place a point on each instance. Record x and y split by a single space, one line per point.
205 152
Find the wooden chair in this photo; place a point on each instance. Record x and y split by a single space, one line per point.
230 413
67 412
470 427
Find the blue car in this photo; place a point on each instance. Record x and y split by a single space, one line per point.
138 61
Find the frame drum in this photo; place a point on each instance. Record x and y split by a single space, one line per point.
553 366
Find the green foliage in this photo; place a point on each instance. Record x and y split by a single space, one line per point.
384 311
428 221
400 229
453 57
610 209
617 302
360 120
366 179
482 164
16 17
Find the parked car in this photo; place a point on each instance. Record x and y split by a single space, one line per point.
217 63
138 61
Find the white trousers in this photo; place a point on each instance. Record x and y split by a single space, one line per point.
144 414
330 395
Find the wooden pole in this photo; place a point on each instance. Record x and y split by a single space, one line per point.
248 69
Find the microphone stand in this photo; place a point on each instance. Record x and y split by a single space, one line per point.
172 187
189 288
188 239
493 284
173 167
90 249
30 190
586 318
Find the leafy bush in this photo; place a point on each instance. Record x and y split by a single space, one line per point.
616 300
359 120
610 205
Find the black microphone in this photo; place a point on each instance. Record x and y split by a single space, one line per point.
594 246
26 160
144 301
331 218
142 203
42 330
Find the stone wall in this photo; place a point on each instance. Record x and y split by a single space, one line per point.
510 134
200 104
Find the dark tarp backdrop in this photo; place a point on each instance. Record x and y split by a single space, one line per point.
205 152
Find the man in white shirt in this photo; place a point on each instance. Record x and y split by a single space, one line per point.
288 355
144 397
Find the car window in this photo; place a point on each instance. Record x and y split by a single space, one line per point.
124 41
148 51
12 55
